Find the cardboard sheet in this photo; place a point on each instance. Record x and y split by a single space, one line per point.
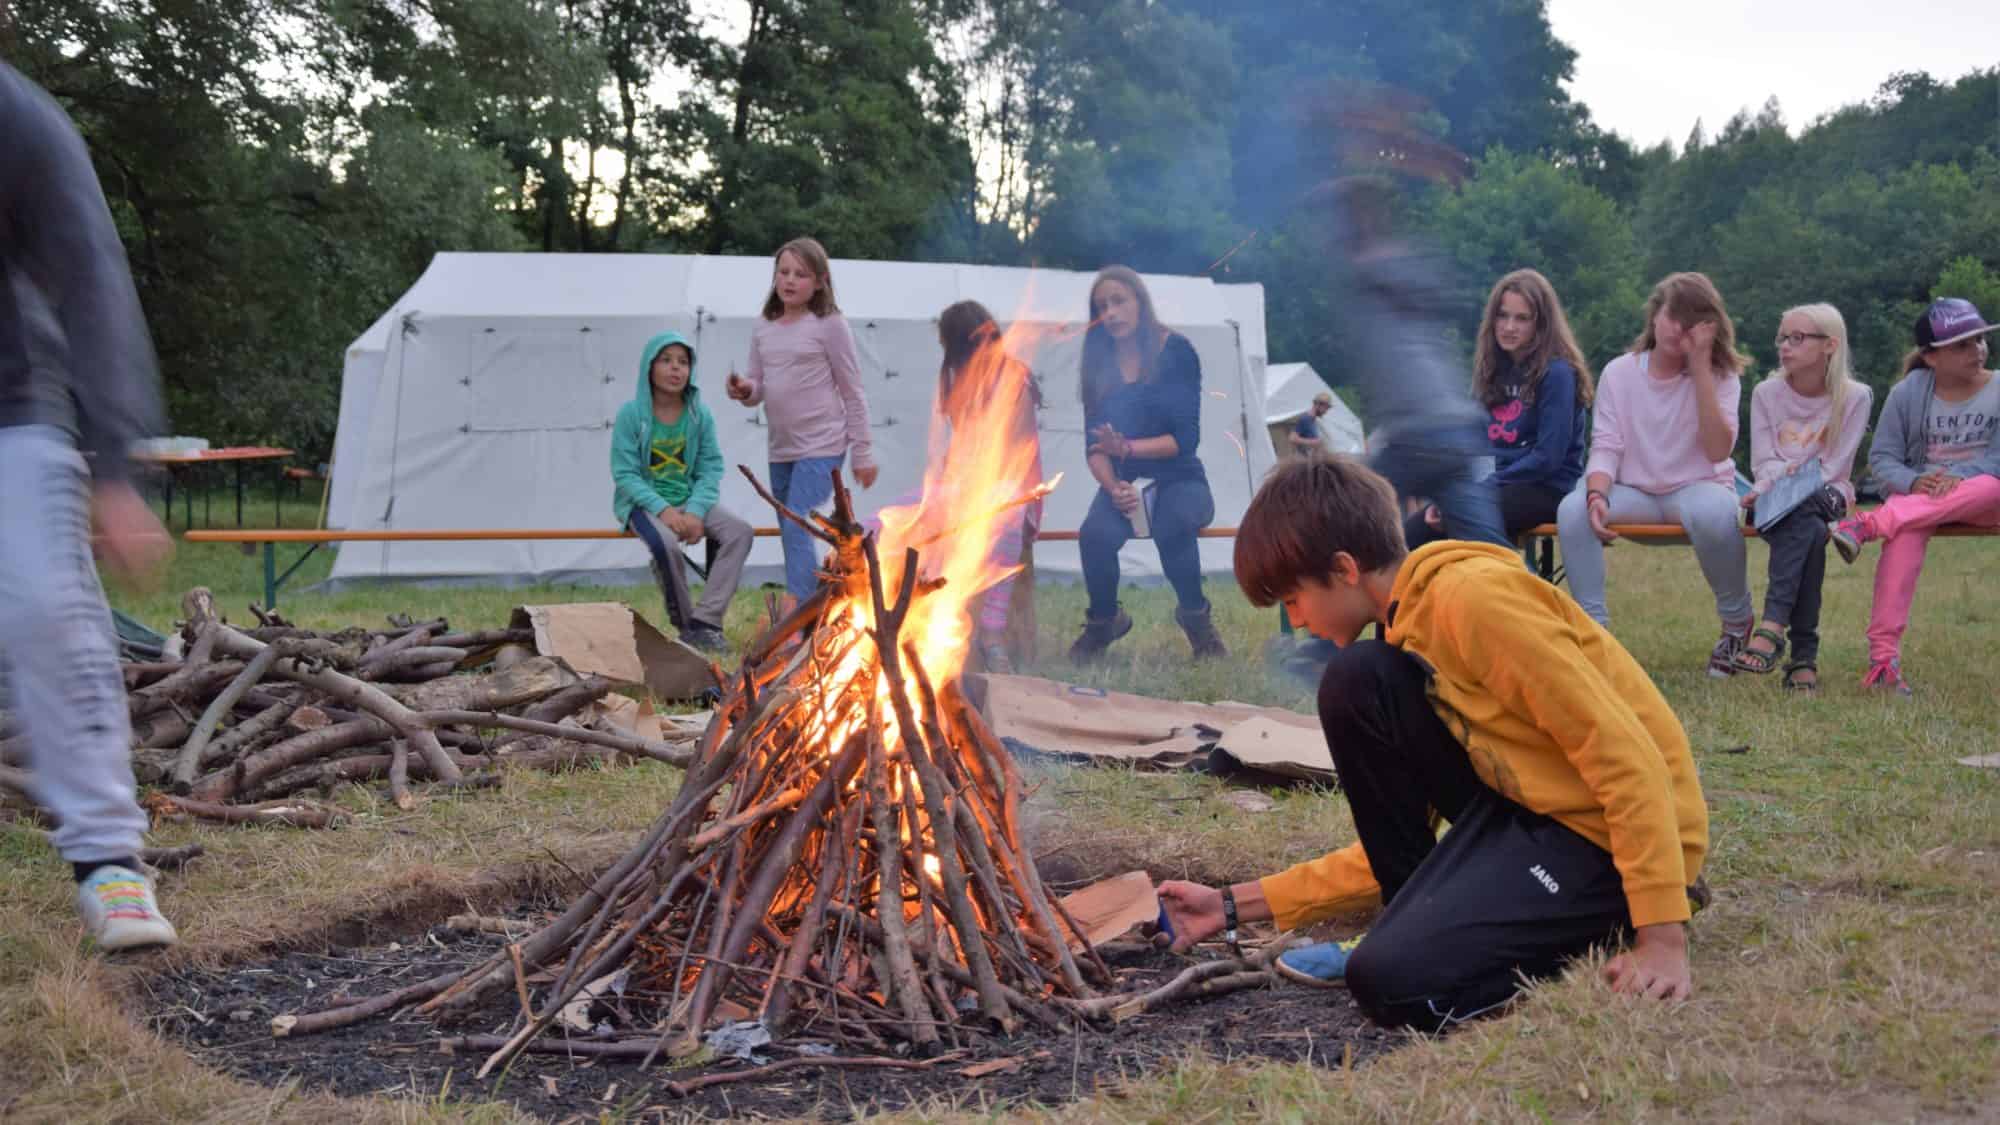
607 639
1108 910
1089 723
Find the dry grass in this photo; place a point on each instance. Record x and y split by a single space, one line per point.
1845 973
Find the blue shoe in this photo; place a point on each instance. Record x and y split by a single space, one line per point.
1321 965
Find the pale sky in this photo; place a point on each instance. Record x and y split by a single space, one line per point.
1650 71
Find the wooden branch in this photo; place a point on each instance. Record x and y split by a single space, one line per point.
330 1018
694 1085
355 693
784 511
624 743
294 814
189 762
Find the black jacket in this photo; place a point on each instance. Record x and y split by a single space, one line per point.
74 352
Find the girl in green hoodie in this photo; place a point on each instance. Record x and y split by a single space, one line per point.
666 475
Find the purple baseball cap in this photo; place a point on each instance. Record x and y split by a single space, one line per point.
1948 321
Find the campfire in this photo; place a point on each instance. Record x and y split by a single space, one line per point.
844 858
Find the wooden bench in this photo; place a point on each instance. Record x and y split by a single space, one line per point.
1538 543
269 538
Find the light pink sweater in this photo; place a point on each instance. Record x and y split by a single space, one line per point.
808 379
1788 429
1645 432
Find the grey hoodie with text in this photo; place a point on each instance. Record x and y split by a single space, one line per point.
74 352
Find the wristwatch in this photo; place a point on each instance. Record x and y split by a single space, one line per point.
1229 919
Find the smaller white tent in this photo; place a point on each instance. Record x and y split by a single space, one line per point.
1288 392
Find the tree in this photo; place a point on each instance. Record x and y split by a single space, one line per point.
832 119
1520 211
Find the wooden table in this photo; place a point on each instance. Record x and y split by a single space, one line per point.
237 455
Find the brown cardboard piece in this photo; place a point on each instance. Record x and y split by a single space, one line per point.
1091 723
607 639
1107 910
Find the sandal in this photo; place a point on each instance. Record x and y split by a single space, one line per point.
1793 681
1750 660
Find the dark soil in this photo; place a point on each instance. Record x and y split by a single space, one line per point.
223 1017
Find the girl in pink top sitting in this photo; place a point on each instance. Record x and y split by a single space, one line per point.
1660 446
804 372
1810 409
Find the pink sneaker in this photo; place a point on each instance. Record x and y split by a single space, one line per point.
1887 675
1849 534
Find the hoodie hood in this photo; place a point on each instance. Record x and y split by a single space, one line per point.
1410 612
654 347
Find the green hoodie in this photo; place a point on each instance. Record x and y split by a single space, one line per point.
632 436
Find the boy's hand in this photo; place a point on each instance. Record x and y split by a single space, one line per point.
1195 912
865 475
686 527
1750 499
737 387
1655 966
128 536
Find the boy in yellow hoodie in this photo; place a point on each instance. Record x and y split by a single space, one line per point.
1493 702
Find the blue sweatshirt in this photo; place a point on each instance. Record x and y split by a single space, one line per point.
1169 403
74 352
1542 442
632 442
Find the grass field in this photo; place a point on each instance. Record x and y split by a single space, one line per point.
1847 971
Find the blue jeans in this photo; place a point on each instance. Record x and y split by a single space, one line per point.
803 485
1443 466
1182 508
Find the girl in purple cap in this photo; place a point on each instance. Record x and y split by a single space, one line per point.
1937 450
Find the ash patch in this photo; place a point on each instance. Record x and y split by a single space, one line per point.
222 1017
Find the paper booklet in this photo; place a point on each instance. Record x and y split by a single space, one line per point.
1787 494
1142 516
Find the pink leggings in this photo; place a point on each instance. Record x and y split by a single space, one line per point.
1904 525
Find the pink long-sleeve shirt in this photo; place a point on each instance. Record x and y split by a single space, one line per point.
1787 429
807 377
1645 432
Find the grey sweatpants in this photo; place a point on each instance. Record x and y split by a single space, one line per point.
732 538
58 650
1707 511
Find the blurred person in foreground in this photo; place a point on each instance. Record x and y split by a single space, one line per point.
78 386
1491 701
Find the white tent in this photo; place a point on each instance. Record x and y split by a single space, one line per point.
484 399
1288 392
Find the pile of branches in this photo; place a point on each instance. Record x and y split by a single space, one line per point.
248 721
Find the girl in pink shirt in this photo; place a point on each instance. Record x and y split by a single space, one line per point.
1661 438
1810 409
804 372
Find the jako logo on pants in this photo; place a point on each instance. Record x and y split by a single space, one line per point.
1548 881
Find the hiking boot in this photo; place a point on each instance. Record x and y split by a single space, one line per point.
1320 965
119 911
1887 675
1722 658
1847 535
1097 636
707 638
1199 625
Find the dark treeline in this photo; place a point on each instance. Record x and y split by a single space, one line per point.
283 169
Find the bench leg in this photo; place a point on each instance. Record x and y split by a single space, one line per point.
270 577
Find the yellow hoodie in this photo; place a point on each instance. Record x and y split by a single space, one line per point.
1555 715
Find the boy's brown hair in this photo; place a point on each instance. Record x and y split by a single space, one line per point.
1307 511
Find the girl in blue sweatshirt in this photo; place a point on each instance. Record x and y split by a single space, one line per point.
666 475
1529 375
1142 411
